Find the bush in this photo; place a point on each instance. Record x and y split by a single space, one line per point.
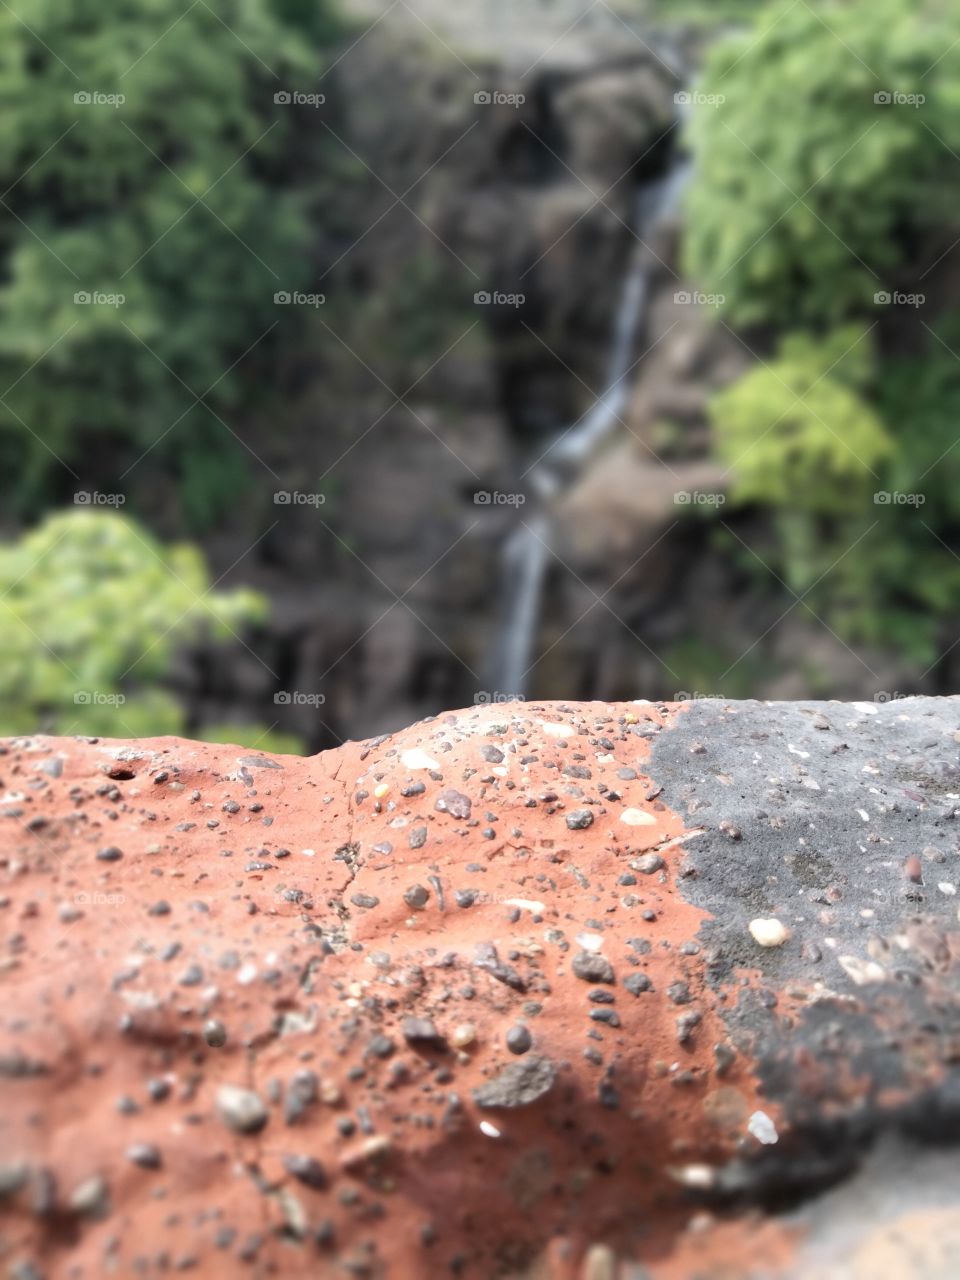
861 482
796 432
809 196
176 199
92 609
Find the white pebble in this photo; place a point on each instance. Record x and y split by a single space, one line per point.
862 971
695 1175
554 730
488 1129
768 932
416 758
526 904
762 1128
637 818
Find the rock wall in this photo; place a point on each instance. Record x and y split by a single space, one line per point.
535 199
604 991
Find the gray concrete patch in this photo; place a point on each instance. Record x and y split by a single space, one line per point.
840 821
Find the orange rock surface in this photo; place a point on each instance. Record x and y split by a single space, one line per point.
402 1009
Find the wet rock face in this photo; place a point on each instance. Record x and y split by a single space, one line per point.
280 1035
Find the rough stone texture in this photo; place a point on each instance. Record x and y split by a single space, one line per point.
669 1125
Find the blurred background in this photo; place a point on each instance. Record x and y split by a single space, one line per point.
361 360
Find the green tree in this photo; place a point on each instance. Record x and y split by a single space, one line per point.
858 472
796 431
142 155
92 609
811 192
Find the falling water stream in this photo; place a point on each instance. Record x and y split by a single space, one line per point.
526 551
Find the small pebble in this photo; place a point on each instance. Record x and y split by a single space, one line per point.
463 1035
241 1110
215 1033
519 1039
768 932
579 819
648 863
90 1198
762 1128
145 1155
590 967
913 870
308 1170
422 1032
635 983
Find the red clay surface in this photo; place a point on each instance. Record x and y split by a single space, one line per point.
272 900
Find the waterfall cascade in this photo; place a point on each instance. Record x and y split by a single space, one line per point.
526 551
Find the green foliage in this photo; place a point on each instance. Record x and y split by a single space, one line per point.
808 195
92 609
406 325
862 483
176 198
254 737
700 13
920 399
797 433
708 668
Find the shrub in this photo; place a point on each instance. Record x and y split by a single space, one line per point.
176 199
809 196
860 482
797 433
92 609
